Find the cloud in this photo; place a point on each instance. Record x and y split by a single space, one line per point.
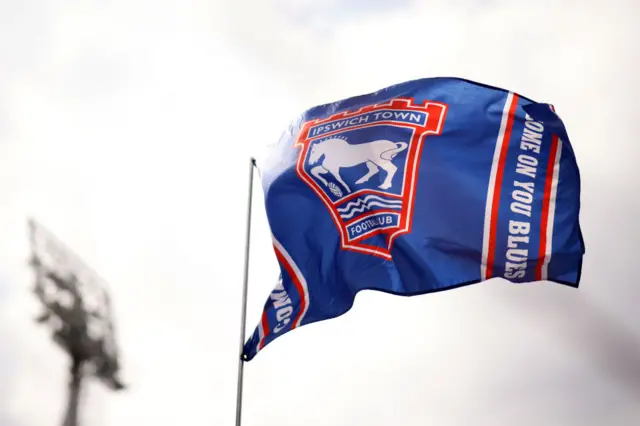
127 130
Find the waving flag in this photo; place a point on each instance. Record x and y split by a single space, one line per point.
424 186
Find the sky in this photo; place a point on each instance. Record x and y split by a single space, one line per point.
125 129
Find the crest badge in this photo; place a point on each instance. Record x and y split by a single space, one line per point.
364 167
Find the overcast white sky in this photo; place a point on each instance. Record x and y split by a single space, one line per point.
126 127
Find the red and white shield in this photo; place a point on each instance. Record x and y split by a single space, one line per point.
364 167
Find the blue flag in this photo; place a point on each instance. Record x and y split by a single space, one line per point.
423 186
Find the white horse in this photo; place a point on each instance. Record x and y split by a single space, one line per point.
338 153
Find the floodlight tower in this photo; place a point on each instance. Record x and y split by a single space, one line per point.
77 308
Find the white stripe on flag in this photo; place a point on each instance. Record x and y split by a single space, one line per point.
299 276
552 210
492 182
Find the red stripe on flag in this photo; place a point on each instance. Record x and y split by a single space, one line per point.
265 329
495 203
544 222
283 261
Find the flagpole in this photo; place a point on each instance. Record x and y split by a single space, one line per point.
243 318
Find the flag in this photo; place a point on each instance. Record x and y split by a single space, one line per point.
423 186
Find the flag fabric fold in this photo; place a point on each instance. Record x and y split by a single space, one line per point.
423 186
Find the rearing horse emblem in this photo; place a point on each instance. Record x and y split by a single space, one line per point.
364 165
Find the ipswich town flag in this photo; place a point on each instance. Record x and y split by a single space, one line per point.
424 186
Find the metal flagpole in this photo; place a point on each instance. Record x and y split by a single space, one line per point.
244 298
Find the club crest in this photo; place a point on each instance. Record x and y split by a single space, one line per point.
364 167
